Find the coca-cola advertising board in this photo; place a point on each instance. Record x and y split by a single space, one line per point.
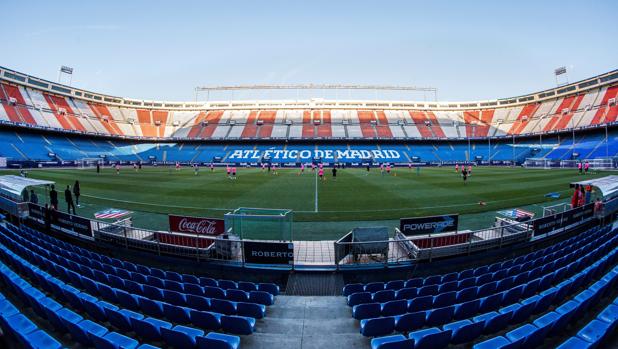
196 225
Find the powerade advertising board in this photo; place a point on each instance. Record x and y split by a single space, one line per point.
428 225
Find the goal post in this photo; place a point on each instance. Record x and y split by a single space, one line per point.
539 163
86 163
260 223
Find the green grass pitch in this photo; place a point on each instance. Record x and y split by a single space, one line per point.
356 195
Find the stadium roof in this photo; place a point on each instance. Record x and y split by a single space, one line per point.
607 185
14 185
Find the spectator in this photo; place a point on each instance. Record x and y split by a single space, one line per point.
33 197
25 196
68 197
53 197
598 209
588 194
76 192
98 167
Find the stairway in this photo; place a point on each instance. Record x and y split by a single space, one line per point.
297 322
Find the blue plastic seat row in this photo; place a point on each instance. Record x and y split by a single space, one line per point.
503 282
503 279
596 331
553 322
26 332
134 284
467 330
510 266
86 255
120 318
362 309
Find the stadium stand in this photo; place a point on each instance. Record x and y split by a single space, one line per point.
496 300
97 290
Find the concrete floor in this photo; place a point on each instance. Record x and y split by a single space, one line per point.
296 322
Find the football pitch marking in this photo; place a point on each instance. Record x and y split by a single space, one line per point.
316 204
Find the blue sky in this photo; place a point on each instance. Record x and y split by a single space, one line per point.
469 50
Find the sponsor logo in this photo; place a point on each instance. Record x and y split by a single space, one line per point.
202 226
429 225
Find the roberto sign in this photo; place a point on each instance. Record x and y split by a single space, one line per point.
196 225
428 225
268 252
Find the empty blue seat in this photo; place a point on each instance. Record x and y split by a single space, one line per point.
190 279
494 321
396 341
83 330
359 298
352 288
396 307
114 340
174 285
18 323
121 319
204 281
377 326
240 325
496 343
383 296
430 338
247 286
574 343
519 312
152 292
406 293
530 335
432 280
486 289
368 310
205 319
198 302
269 287
466 309
410 321
467 294
448 286
594 332
214 292
153 308
238 295
464 331
194 289
176 313
416 282
181 336
444 299
374 287
394 285
227 284
490 303
59 318
511 296
174 276
428 290
149 328
40 339
261 297
174 297
420 303
223 306
439 316
215 340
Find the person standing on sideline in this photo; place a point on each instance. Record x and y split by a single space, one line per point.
334 173
598 209
574 198
53 197
68 197
76 192
581 198
588 194
98 167
33 197
464 174
118 168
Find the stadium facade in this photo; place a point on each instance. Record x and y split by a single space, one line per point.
44 121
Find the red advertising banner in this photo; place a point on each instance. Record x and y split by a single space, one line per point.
196 225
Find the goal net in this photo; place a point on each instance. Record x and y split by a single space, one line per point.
540 163
260 223
88 162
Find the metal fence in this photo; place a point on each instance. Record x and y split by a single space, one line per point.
344 253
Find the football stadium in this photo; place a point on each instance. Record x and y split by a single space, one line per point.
140 211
